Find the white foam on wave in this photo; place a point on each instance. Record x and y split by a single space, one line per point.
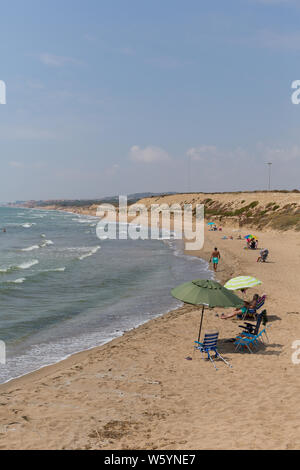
47 243
28 225
57 270
17 281
31 248
25 265
91 253
84 221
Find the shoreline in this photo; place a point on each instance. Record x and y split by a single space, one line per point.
76 353
139 392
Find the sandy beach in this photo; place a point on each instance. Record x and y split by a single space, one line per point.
129 130
140 392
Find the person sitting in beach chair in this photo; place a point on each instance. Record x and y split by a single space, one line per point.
264 253
249 308
252 310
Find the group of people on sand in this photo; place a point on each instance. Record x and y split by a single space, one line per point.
252 243
248 305
214 228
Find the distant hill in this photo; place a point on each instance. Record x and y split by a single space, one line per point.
132 198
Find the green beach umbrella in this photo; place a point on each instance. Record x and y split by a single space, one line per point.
206 293
242 282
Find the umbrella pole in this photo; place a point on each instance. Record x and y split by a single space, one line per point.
201 321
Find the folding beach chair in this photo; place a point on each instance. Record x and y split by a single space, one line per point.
253 311
249 312
210 344
245 341
261 302
253 329
251 334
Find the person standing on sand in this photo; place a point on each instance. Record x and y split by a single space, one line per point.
215 257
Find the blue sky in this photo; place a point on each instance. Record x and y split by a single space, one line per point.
114 97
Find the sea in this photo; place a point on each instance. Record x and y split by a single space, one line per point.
63 290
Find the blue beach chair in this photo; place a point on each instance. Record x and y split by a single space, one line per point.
251 336
253 311
246 342
210 344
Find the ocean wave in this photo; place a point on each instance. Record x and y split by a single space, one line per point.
47 243
17 281
25 265
56 270
85 221
31 248
91 253
28 225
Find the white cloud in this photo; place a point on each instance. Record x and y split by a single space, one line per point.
113 170
148 154
52 60
280 154
15 164
203 152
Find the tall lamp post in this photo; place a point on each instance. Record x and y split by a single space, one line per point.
270 166
189 172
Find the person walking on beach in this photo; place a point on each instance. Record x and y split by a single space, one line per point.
215 257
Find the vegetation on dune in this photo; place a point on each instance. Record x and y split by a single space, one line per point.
75 203
255 214
240 212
